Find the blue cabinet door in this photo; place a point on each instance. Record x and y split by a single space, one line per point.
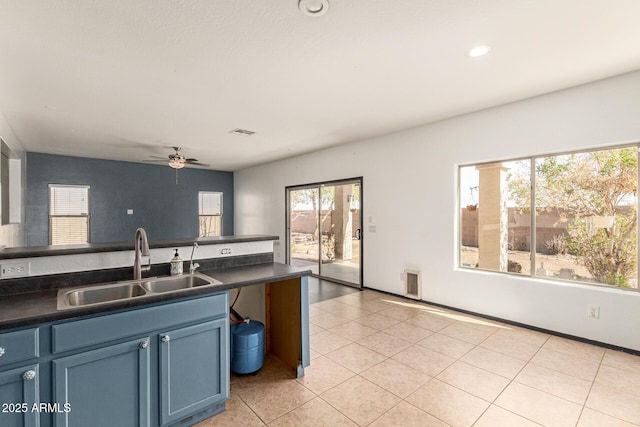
194 369
18 393
104 388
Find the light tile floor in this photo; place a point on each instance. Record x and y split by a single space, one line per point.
381 360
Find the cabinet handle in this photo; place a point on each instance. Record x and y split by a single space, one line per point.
144 344
29 375
2 351
166 338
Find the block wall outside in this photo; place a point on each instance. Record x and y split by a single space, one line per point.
549 224
304 222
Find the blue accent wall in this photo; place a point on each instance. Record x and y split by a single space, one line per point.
165 210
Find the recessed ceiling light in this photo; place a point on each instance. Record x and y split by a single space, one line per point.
243 132
313 7
479 51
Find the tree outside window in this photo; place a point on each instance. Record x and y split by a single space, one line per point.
210 213
585 206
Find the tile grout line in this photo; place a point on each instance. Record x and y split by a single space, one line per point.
593 382
251 409
365 379
432 377
435 377
459 358
511 381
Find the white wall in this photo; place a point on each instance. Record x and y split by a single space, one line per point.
12 235
58 264
409 192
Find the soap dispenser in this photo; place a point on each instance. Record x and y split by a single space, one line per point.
176 264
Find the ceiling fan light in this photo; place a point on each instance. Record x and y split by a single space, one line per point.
176 163
478 51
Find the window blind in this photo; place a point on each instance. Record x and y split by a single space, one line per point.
68 200
68 214
210 203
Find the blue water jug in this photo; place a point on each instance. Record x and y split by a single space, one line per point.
247 347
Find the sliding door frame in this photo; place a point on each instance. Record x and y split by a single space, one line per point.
359 180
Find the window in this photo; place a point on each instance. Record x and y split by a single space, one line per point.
210 213
68 214
585 223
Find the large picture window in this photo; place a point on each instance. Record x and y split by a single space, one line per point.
585 224
210 213
68 214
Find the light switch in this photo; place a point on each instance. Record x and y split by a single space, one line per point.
129 211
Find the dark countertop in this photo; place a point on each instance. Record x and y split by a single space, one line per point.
88 248
33 308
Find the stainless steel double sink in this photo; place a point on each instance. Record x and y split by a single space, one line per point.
111 292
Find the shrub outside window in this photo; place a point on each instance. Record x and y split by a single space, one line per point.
585 223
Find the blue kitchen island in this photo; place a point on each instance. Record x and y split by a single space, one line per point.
158 360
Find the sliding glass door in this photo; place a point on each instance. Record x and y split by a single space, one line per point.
304 247
324 234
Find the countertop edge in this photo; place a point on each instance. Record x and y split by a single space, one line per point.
286 272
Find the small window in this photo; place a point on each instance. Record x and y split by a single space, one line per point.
68 214
210 213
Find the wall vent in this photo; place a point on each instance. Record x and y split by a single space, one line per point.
412 283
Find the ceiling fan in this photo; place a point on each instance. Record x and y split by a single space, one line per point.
177 160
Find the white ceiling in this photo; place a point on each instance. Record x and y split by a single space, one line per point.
123 79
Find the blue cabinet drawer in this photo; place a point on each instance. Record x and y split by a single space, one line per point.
91 331
18 346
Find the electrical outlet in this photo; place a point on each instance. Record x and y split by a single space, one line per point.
15 269
594 312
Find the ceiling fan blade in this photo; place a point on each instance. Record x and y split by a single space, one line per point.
197 164
156 161
158 157
191 160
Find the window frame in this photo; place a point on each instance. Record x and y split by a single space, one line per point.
50 215
221 215
533 239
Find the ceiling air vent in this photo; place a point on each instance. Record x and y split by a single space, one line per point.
244 132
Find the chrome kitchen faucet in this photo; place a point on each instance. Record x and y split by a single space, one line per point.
192 266
138 268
